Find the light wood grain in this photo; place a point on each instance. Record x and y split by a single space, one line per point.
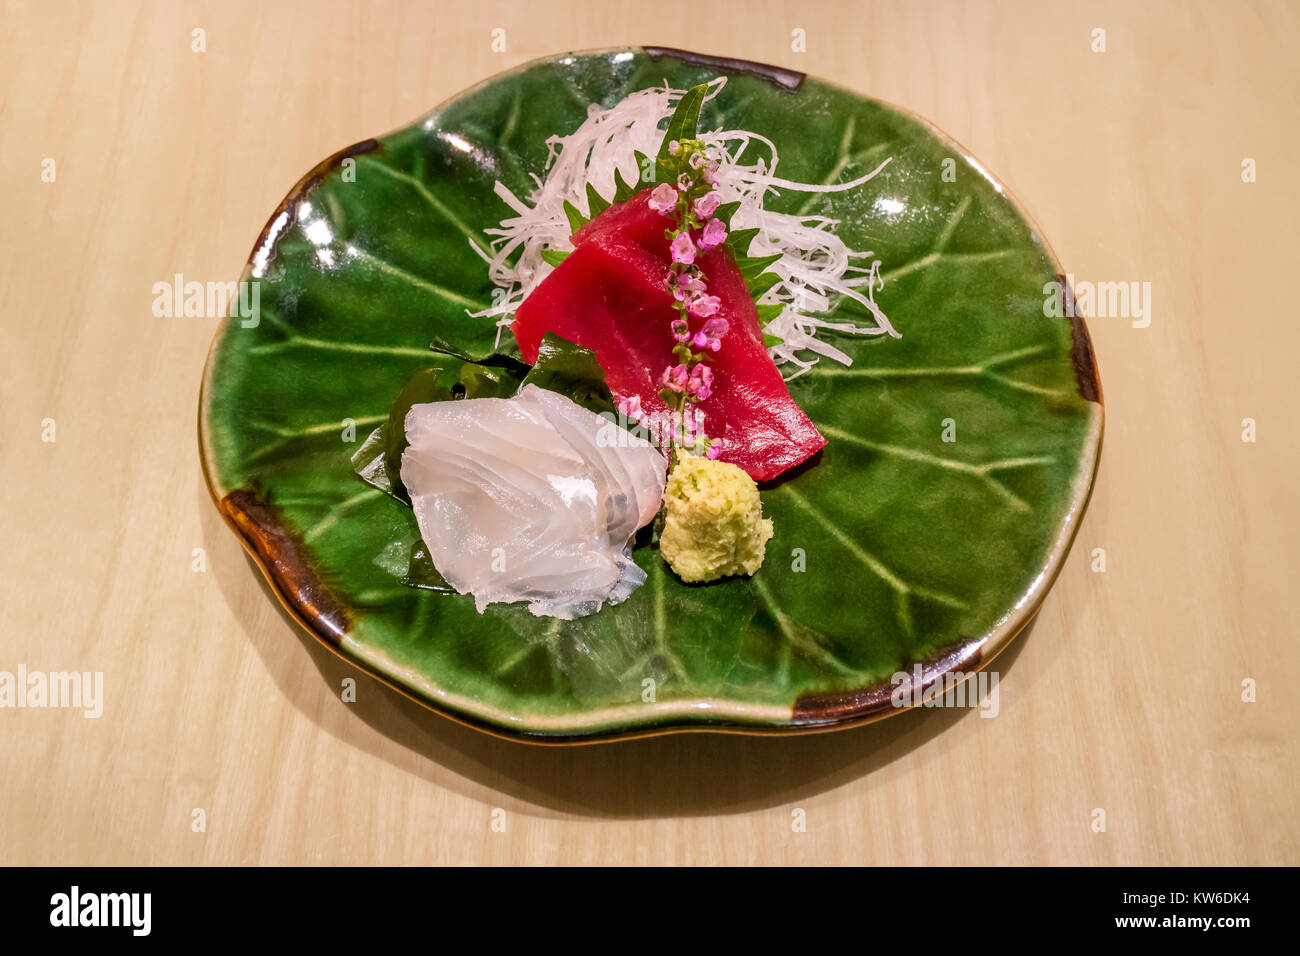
1126 695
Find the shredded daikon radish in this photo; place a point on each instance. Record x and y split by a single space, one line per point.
816 271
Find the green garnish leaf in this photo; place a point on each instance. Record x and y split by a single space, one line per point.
555 256
649 170
576 219
752 266
422 574
368 462
484 381
622 191
572 371
739 241
596 203
726 211
420 388
378 461
768 312
770 341
506 356
764 282
684 120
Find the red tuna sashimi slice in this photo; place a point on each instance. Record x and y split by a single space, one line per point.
634 219
609 295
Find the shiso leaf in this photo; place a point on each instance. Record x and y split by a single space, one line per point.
726 211
684 121
752 266
507 356
422 387
739 241
484 381
576 219
645 167
684 124
378 462
554 256
762 283
368 461
622 191
596 203
572 371
422 573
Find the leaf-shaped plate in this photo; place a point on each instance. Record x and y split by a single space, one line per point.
893 548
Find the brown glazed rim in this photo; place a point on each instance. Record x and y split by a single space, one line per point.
281 555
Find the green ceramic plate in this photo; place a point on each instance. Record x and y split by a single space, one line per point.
894 548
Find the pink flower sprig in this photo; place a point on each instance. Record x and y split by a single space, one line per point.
691 200
663 199
629 406
710 334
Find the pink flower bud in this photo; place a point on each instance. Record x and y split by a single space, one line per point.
707 204
675 377
687 285
682 249
714 234
711 332
629 406
704 306
663 199
700 383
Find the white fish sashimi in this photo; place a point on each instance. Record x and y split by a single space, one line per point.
525 499
626 477
490 506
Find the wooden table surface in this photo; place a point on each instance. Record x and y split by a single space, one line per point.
1126 697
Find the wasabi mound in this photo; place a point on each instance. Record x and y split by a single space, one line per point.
715 525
